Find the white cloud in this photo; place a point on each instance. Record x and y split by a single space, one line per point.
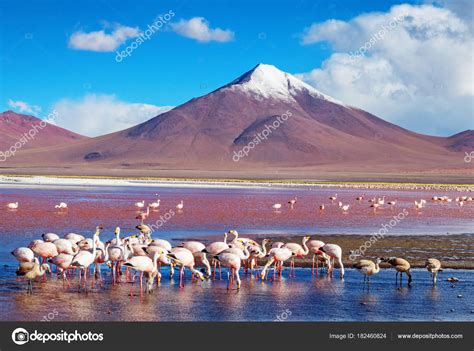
198 28
102 41
24 107
95 114
418 74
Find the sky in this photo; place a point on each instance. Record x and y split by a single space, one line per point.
410 63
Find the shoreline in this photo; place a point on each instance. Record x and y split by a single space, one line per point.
57 181
455 251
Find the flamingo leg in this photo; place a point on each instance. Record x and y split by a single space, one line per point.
181 277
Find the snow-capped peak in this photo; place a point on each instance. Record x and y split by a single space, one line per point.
267 81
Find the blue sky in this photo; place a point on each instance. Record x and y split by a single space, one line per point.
39 66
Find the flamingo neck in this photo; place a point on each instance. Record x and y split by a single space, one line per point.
264 249
305 247
94 246
246 253
377 268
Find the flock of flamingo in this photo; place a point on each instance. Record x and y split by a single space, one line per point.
142 254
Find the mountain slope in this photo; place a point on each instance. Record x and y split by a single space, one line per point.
14 126
206 132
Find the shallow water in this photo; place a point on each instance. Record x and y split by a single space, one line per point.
211 212
303 298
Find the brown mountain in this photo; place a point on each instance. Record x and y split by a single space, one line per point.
319 136
37 133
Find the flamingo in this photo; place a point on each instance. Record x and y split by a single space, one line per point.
333 198
117 254
184 258
196 249
214 249
180 205
335 253
381 201
368 268
44 250
61 206
321 207
156 204
257 252
102 256
345 208
418 205
50 237
161 243
140 204
145 264
277 256
318 255
244 253
298 251
360 198
375 206
66 246
434 266
13 205
63 263
401 266
32 270
75 238
292 202
143 215
276 207
240 242
23 254
84 259
233 262
392 203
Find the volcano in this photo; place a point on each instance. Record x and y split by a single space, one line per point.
307 132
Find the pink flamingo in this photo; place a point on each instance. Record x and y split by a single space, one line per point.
215 249
23 254
298 251
314 247
233 262
277 255
62 262
143 215
66 246
184 258
197 248
145 264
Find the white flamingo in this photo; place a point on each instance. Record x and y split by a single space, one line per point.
61 206
84 259
140 204
335 252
